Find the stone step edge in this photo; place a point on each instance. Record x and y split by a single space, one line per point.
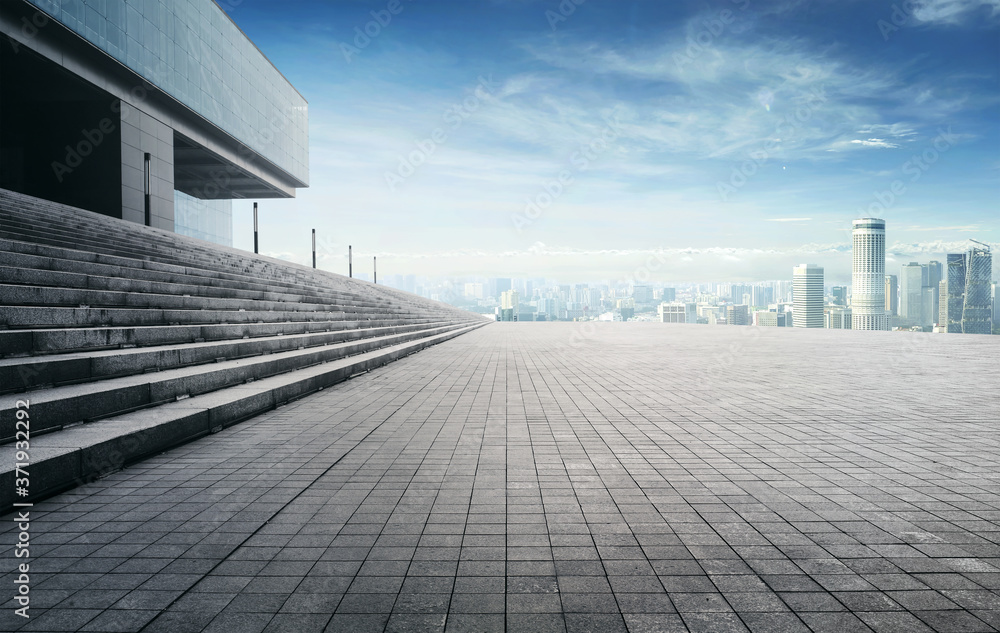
82 454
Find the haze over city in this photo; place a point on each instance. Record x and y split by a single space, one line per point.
735 138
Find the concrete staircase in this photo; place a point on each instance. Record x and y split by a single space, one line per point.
126 340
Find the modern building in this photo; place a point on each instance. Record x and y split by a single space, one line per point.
892 295
807 295
669 295
977 311
159 113
839 295
838 319
967 293
768 318
911 283
672 313
935 273
868 275
510 306
952 294
738 315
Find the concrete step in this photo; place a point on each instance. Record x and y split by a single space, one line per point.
18 375
40 317
81 454
58 407
23 255
20 343
25 295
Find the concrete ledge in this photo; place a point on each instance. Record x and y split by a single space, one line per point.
81 454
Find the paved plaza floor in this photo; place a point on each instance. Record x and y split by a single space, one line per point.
546 477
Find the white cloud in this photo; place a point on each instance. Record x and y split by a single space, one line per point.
952 11
875 142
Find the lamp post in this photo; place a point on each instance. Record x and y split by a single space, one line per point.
314 248
375 268
255 228
350 262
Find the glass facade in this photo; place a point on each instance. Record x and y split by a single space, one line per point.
191 50
210 220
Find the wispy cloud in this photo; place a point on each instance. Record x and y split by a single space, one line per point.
953 11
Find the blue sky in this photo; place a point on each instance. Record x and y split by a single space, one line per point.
731 138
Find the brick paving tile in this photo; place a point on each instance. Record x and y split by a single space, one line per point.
563 477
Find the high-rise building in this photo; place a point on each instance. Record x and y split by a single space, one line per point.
977 313
952 293
892 295
868 275
670 294
839 294
738 315
935 273
807 295
911 281
509 305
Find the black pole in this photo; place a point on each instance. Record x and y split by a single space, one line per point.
147 199
350 262
375 268
314 248
255 227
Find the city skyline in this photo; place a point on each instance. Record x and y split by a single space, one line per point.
849 110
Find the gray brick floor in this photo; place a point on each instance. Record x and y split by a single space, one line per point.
564 477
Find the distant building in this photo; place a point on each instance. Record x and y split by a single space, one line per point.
996 303
626 307
670 294
868 275
807 296
911 282
473 291
892 295
767 318
935 273
510 306
839 294
838 319
672 313
977 312
967 292
738 315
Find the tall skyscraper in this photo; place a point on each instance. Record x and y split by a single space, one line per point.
807 296
952 295
977 313
911 281
868 275
892 295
